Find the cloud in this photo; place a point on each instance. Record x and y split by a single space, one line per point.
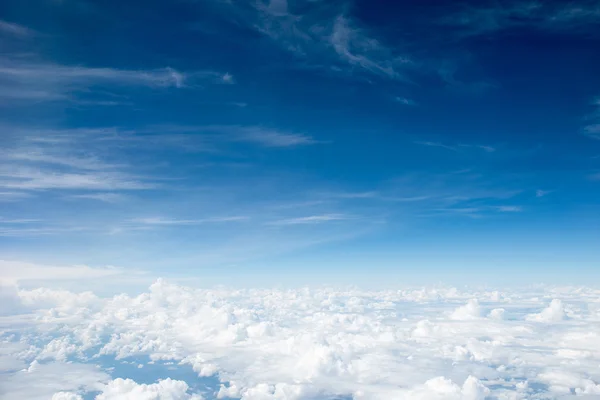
488 149
553 313
405 101
437 144
570 18
471 310
40 156
171 221
66 396
15 29
107 197
22 178
42 81
16 271
592 130
508 208
43 380
70 159
313 219
322 35
267 137
74 75
412 343
542 193
167 389
355 47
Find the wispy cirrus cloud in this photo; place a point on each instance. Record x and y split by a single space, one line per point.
35 156
592 129
405 101
17 30
508 208
312 219
564 17
354 46
474 211
215 135
107 197
488 149
542 193
18 271
323 35
267 137
173 221
27 79
436 144
22 178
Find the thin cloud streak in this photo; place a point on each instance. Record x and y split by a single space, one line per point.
487 149
15 29
270 137
566 18
313 219
42 81
171 221
436 144
35 179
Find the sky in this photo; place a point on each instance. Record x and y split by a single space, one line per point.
282 142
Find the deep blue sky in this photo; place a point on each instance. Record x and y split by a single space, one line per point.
315 139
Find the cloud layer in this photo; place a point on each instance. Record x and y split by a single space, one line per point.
428 343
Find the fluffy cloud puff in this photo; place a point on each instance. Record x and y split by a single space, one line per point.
127 389
296 344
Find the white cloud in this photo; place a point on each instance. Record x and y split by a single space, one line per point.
73 75
15 271
312 219
471 310
42 381
355 47
436 144
106 197
441 388
497 313
15 29
592 129
571 18
66 396
269 137
23 178
29 79
509 208
127 389
173 221
542 193
325 37
555 312
425 343
404 100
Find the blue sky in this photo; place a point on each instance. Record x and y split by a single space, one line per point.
306 140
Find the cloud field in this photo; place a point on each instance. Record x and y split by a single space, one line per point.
311 343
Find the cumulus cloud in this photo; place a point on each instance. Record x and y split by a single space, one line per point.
471 310
127 389
426 343
553 313
66 396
